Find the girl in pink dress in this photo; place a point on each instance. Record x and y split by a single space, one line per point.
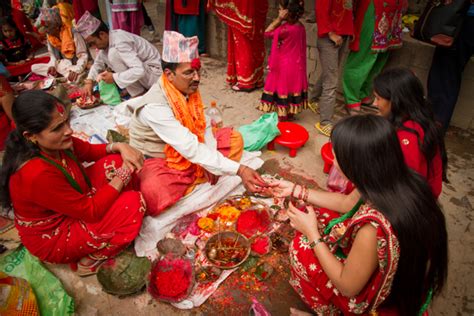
286 86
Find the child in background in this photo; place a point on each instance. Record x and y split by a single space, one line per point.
15 48
286 86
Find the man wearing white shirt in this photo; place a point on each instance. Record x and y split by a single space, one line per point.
135 62
170 126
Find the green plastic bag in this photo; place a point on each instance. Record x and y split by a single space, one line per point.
51 297
260 132
109 93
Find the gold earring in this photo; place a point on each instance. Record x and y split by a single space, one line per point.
34 141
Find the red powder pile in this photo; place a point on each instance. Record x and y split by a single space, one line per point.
171 283
170 279
252 221
261 245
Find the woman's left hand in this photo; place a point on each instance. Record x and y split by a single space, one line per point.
132 158
304 222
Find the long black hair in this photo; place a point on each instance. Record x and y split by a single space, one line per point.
369 154
406 93
295 9
32 112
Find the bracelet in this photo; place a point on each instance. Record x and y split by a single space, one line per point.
302 192
110 148
306 195
124 175
293 191
316 242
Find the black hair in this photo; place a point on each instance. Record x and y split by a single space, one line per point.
170 66
102 28
295 9
8 20
369 154
32 112
405 92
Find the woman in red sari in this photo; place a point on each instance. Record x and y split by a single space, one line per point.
6 101
245 21
389 254
63 212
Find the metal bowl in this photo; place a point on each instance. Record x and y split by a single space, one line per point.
226 238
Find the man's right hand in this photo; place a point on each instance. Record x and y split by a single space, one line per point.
52 71
87 90
251 179
337 39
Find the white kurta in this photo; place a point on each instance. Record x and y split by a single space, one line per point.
64 65
160 117
135 61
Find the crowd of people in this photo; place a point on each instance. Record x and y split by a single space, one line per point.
379 247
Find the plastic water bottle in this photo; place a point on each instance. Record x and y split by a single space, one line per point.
215 115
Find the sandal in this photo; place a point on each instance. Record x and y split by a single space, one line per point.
324 129
313 106
84 270
236 88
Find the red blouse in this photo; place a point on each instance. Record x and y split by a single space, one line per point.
415 159
334 16
39 189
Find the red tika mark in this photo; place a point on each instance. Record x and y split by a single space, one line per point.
60 109
196 63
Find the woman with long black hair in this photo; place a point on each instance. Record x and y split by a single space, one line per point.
389 254
65 213
400 98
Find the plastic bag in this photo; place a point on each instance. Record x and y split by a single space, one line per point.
51 297
109 93
337 182
260 132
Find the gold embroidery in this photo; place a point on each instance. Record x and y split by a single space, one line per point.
232 7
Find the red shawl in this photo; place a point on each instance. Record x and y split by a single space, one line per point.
238 14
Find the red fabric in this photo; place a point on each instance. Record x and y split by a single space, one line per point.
245 40
387 26
4 86
187 7
312 283
414 158
241 15
24 25
5 123
334 16
25 68
81 6
162 186
60 225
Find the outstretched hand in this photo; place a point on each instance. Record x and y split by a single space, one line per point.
132 158
281 188
251 179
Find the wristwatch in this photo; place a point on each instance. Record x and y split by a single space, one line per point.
316 242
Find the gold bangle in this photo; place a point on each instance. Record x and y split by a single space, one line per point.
110 148
316 242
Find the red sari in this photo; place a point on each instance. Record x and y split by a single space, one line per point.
5 123
245 21
59 224
316 289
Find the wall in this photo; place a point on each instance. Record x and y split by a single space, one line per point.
414 54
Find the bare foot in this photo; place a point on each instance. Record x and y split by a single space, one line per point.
297 312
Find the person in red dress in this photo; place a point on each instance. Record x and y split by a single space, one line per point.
65 213
6 101
388 256
400 98
245 20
